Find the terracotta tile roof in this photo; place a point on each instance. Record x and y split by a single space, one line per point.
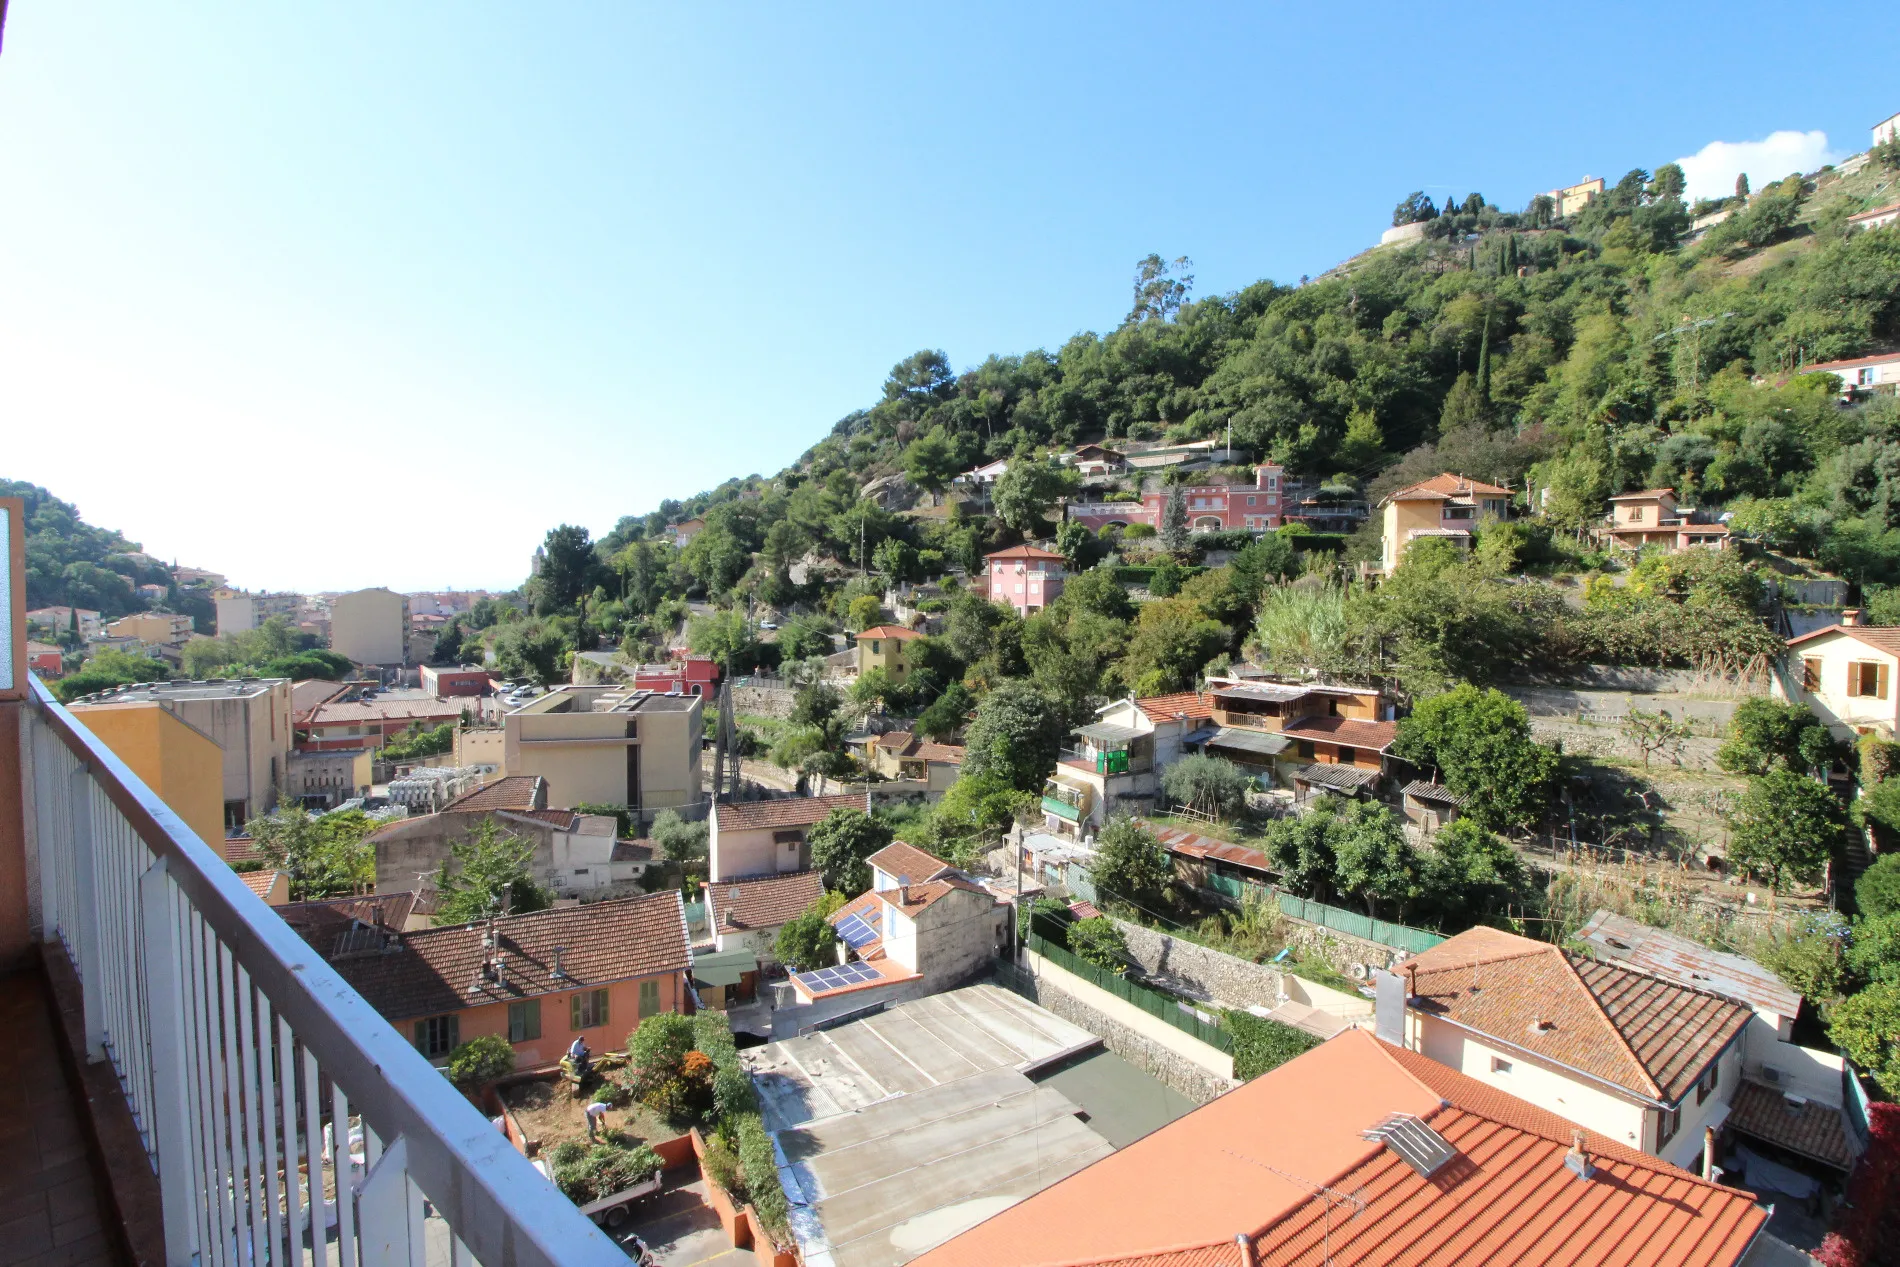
867 908
888 631
1823 366
260 882
516 791
242 849
631 851
1867 215
1376 735
559 819
907 861
1250 1164
897 741
319 923
785 811
1024 552
916 897
1647 494
949 753
439 969
1651 1037
1811 1129
1164 707
1446 485
763 901
1879 637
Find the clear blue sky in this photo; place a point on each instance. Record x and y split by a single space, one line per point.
336 295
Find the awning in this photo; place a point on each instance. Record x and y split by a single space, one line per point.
1345 778
1434 794
1103 732
724 967
1261 743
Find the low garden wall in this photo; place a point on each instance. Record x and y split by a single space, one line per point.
740 1223
1194 969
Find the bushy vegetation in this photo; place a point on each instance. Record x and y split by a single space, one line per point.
480 1061
1261 1045
588 1172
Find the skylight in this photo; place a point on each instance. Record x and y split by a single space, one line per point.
1423 1148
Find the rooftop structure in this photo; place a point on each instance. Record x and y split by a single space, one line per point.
1691 964
1361 1154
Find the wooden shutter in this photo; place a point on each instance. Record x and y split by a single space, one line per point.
1880 681
574 1012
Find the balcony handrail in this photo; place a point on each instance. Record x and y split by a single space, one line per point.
422 1139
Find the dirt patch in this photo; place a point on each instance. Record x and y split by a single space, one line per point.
549 1115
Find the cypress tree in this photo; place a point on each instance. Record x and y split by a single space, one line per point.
1741 185
1484 361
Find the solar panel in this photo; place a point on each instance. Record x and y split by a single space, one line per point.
820 980
1423 1148
856 933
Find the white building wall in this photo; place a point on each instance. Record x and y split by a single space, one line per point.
1593 1109
743 853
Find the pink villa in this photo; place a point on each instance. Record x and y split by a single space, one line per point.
1028 578
1256 507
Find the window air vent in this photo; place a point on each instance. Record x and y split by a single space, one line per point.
1422 1148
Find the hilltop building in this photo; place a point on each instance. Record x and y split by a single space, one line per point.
1652 518
1447 506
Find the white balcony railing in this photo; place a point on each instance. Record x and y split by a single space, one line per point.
238 1049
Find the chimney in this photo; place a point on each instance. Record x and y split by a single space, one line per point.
1708 1153
1244 1243
1850 617
903 890
1577 1159
559 973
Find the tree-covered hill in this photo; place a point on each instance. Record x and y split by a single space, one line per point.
70 562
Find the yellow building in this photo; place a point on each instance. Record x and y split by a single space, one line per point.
1447 506
883 647
178 761
1574 198
608 746
154 629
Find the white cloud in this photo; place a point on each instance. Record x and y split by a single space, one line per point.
1712 170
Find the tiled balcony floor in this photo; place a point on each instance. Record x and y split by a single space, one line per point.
49 1209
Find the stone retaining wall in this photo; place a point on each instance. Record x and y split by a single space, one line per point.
1195 969
763 701
1191 1080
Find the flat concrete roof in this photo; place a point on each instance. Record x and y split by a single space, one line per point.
900 1130
220 688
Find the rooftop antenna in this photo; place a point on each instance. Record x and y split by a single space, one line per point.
1325 1193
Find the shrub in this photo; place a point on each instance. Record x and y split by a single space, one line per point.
1100 942
1877 892
585 1173
481 1060
1867 1228
1867 1028
1261 1044
1214 785
656 1050
759 1167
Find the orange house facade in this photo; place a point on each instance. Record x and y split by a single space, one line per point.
538 980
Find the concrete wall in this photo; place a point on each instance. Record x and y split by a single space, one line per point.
583 755
182 764
740 853
481 748
1125 1031
958 934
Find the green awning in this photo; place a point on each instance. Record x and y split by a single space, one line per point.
1061 809
724 967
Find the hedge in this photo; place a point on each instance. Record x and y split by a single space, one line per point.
1261 1044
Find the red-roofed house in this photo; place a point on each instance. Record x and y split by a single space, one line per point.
1360 1154
1845 674
1876 217
755 838
921 919
1652 518
883 647
1028 578
1642 1060
1861 375
1447 506
899 754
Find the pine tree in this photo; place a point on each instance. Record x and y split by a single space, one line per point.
1174 519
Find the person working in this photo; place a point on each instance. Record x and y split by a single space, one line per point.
596 1117
577 1053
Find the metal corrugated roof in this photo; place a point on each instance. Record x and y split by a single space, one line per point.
1264 743
1685 962
1108 732
1350 778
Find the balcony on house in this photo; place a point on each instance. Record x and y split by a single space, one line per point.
193 1085
1066 801
1107 749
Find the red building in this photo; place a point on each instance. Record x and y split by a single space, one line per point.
1028 578
443 683
1220 507
691 675
44 659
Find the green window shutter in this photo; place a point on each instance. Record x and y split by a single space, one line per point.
574 1012
649 998
534 1018
422 1037
600 1007
455 1033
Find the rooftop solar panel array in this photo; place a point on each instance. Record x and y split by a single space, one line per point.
838 978
856 933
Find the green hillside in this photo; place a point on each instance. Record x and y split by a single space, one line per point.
70 562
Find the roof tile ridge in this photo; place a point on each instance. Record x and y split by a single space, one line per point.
1655 1088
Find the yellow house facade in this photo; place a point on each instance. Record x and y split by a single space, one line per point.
1447 506
885 647
178 761
1846 675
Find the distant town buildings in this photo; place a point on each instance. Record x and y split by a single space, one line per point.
58 620
1221 507
1861 375
370 722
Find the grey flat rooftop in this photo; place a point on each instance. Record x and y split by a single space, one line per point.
145 692
898 1131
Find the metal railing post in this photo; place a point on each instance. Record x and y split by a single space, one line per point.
165 1000
92 984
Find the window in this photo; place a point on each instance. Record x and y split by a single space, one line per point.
1461 512
234 815
649 998
1867 680
437 1036
524 1021
1710 1080
1867 377
1636 514
1810 673
1500 1065
1250 501
587 1009
1666 1123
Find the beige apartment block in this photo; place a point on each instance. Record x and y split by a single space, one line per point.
249 720
153 628
370 626
608 745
